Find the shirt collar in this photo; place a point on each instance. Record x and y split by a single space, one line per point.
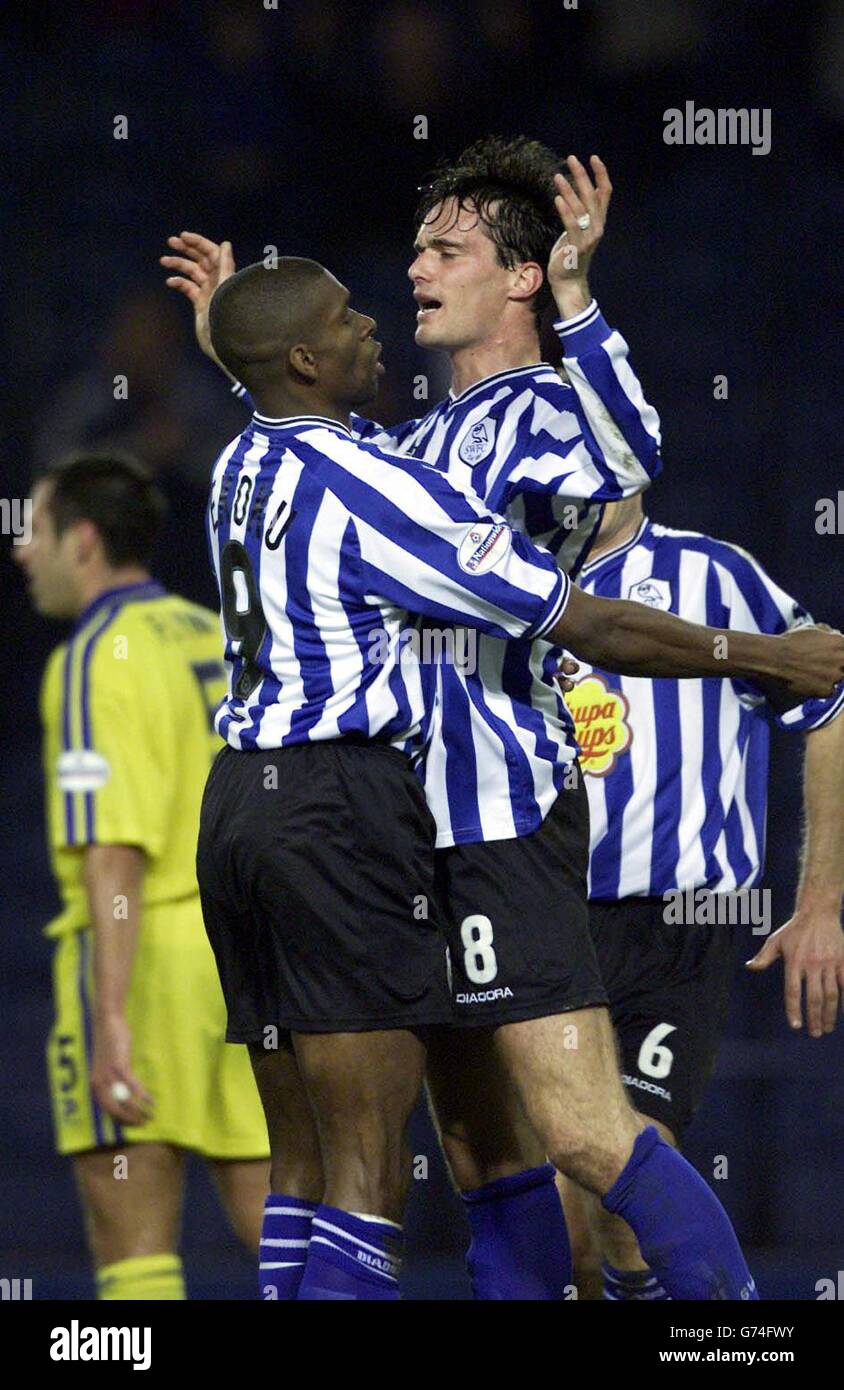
122 593
498 378
298 422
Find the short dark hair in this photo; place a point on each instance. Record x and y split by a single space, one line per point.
259 309
114 491
510 183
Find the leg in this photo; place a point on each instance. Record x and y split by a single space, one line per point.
564 1068
601 1239
580 1111
363 1087
296 1177
585 1251
242 1185
519 1246
132 1222
482 1126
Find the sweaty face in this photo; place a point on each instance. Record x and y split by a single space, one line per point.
460 287
346 347
48 562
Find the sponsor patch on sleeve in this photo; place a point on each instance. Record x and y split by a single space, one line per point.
82 770
483 547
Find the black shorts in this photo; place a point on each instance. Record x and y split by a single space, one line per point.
315 866
518 923
669 987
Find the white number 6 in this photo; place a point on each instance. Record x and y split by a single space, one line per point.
654 1060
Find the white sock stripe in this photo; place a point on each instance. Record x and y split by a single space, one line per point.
290 1244
338 1231
376 1220
322 1240
289 1211
282 1264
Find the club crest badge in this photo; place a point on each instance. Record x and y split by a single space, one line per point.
478 443
654 593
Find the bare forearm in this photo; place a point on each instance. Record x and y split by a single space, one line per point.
114 883
822 868
635 640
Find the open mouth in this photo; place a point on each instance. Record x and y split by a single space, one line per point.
427 306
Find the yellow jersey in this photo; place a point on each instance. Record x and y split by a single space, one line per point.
127 707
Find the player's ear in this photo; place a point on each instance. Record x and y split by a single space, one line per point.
527 280
303 361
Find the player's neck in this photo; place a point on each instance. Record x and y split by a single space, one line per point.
103 581
497 354
628 523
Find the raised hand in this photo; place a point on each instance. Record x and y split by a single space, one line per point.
202 266
568 264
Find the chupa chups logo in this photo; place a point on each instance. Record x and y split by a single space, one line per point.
601 724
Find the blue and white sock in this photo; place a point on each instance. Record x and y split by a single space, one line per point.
632 1286
352 1256
285 1237
520 1243
684 1233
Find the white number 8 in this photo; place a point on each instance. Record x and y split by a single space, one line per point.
478 956
654 1060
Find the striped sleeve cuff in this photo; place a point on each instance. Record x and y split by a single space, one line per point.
584 332
813 714
239 391
554 608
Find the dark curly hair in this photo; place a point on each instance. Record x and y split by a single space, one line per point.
510 184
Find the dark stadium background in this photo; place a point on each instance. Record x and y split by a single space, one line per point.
294 127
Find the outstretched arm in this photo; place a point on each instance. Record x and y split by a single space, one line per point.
636 640
811 944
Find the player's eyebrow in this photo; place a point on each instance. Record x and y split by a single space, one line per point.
437 241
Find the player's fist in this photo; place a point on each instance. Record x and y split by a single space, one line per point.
812 662
116 1089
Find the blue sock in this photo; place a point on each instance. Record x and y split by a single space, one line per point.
352 1256
285 1237
683 1231
632 1285
520 1243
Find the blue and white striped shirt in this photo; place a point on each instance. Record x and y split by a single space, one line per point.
321 544
546 454
677 770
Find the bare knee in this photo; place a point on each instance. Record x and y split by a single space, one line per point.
131 1200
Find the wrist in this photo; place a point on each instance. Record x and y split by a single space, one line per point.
818 900
571 296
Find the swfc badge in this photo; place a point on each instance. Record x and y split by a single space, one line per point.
654 593
478 442
483 547
82 770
